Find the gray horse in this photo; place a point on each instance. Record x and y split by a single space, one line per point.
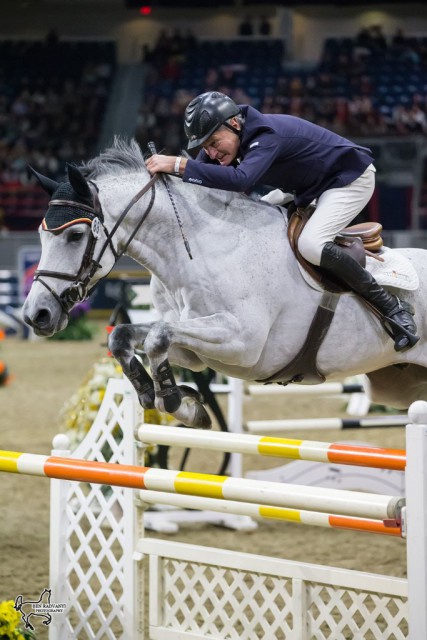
237 304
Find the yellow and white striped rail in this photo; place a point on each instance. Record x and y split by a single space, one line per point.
350 503
337 453
260 511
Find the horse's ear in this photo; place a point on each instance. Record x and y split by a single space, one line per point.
78 182
48 185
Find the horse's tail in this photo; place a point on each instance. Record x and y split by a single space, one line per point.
18 603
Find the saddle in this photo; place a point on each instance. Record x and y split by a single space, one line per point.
359 240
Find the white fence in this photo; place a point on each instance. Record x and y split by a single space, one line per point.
99 556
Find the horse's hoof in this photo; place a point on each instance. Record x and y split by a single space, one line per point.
202 419
146 400
189 391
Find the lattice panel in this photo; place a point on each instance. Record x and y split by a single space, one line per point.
226 603
100 531
201 592
95 559
351 614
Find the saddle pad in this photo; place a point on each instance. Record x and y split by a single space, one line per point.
396 271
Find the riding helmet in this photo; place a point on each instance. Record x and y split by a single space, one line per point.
205 114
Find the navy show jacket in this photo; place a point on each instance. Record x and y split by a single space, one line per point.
283 152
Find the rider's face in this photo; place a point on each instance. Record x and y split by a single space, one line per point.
223 145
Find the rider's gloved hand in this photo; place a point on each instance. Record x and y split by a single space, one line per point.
277 196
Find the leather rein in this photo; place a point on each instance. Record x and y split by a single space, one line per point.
79 290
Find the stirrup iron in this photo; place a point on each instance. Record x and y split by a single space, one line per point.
390 324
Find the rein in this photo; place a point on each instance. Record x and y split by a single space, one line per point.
79 291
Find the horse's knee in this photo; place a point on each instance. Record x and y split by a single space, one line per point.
120 340
158 339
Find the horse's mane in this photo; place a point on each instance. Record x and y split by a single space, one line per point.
122 157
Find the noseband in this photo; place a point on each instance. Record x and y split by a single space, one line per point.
79 290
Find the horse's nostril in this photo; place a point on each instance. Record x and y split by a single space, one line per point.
42 318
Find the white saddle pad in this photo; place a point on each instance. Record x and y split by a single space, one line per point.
396 271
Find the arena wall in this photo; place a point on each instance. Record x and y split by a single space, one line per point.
304 28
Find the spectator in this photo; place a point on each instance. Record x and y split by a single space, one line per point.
246 27
3 226
400 119
378 41
398 40
417 122
264 28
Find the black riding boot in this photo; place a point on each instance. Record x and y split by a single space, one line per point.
398 315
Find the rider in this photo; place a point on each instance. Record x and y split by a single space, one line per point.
242 147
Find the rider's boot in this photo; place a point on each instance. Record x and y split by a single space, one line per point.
398 315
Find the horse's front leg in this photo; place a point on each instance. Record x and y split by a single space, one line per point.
123 342
183 402
217 337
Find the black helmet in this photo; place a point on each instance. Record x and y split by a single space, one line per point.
205 114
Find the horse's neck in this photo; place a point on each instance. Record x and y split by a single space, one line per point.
216 223
158 235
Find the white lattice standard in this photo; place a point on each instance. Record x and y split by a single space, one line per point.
201 593
94 533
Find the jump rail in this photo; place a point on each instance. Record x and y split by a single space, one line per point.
272 426
327 388
336 501
388 527
358 455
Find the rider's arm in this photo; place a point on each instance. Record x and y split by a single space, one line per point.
261 154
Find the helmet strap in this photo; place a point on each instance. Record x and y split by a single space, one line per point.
238 132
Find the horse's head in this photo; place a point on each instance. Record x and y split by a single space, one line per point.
76 253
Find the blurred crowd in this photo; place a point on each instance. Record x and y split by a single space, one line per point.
53 93
52 100
363 86
53 96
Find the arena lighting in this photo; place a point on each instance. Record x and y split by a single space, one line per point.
145 7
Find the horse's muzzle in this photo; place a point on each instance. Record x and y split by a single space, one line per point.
44 324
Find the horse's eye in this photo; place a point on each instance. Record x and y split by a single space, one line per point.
75 236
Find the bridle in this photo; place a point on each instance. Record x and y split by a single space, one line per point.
79 290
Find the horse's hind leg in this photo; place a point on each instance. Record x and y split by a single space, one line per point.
398 386
123 341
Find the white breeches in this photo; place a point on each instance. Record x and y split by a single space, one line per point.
335 209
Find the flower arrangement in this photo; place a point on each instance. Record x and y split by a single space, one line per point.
10 621
79 412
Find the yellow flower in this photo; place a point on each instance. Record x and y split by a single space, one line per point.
9 620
